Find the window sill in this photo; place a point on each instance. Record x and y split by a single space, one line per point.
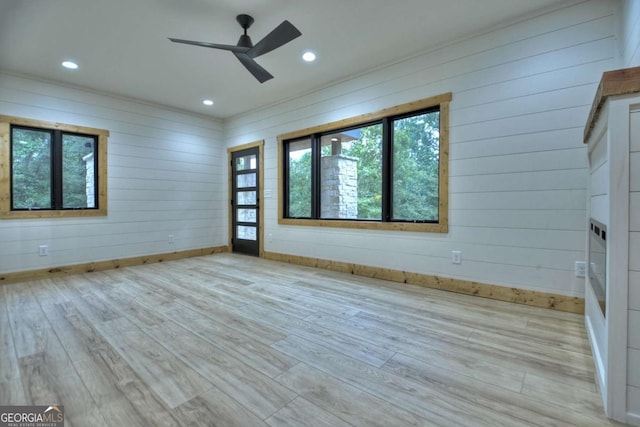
441 227
79 213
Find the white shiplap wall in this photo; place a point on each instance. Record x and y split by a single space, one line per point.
521 95
166 175
630 37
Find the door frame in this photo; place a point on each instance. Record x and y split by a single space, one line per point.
230 151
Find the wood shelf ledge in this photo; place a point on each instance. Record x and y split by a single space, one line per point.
613 83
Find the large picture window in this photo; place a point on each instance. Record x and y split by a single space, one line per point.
386 170
52 169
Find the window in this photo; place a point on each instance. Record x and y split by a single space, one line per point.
386 170
299 185
51 169
351 173
415 148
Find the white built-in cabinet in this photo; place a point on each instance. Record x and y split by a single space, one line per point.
612 294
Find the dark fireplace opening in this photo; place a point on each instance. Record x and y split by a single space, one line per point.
598 262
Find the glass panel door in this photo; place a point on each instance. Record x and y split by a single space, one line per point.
245 201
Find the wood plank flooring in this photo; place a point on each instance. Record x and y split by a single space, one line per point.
228 340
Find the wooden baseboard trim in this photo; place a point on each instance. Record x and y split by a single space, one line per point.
502 293
21 276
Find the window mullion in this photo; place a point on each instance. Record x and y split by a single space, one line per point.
286 186
56 170
387 167
96 175
316 154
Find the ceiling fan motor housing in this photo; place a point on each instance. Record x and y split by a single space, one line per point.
245 41
245 22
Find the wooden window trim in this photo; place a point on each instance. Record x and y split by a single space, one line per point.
442 226
5 169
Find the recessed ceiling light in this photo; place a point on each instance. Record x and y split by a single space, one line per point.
309 56
207 102
70 65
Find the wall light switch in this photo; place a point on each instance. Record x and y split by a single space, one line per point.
456 257
43 250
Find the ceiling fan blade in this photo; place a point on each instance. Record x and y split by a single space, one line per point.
232 48
281 35
254 68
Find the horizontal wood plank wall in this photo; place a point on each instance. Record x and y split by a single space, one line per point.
500 293
517 168
166 177
21 276
630 37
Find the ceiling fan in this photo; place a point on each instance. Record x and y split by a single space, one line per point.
245 51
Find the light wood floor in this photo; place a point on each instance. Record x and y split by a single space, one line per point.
235 341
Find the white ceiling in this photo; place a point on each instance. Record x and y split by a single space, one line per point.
122 47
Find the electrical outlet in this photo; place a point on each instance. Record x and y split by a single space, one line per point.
580 268
456 257
43 250
172 239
